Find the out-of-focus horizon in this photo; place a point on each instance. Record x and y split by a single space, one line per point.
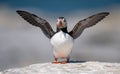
23 44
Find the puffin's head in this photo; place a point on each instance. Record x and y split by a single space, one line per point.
61 22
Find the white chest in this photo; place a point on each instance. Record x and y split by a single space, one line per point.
62 43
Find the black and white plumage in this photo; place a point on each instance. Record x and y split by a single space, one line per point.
62 40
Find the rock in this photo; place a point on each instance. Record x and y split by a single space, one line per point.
70 68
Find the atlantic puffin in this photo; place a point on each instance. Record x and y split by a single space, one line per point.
61 40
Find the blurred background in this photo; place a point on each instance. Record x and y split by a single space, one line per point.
22 44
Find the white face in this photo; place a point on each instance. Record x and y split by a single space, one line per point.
61 23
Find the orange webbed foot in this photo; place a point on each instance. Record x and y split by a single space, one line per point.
55 61
64 62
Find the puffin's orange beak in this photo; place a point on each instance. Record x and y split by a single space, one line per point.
60 24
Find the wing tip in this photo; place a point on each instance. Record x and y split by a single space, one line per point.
19 11
105 13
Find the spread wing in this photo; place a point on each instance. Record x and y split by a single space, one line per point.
37 21
85 23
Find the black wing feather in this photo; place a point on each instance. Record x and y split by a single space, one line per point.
37 21
85 23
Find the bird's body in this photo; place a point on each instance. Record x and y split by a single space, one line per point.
62 44
62 40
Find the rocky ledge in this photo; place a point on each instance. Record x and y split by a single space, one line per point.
70 68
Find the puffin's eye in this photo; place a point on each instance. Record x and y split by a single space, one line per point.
64 20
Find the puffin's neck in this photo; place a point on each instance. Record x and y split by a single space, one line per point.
62 29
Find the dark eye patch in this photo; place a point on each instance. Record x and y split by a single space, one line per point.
61 17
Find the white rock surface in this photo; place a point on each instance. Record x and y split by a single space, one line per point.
70 68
